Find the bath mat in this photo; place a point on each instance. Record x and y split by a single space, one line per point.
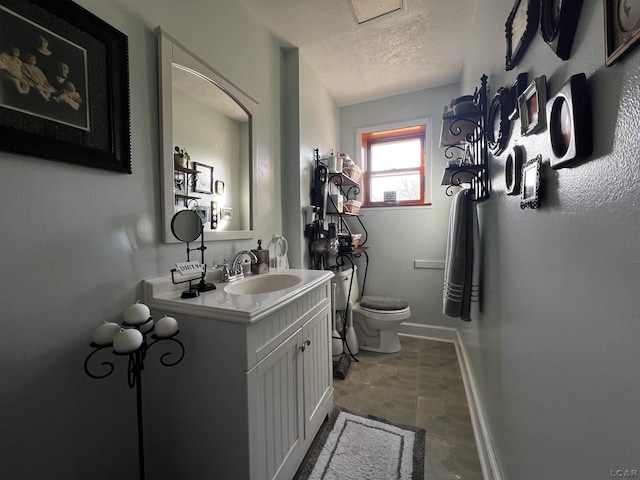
352 447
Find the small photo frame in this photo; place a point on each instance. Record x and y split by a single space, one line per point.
531 183
219 186
204 213
532 105
203 180
226 213
622 27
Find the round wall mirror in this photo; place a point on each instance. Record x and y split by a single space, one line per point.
186 226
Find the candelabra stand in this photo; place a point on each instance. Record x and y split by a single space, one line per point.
135 367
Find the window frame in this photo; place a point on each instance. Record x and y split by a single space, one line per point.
388 133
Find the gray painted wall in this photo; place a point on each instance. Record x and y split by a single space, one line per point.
76 243
398 236
555 353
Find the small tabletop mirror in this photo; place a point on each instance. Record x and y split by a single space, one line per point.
186 226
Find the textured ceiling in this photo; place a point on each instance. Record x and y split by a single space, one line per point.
416 48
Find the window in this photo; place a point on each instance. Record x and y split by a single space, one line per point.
394 167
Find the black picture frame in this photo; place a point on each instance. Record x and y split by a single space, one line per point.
532 104
520 84
513 170
558 23
203 180
570 125
530 184
96 81
622 28
520 29
498 123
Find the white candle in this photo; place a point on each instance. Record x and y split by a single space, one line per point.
127 341
165 327
136 314
105 333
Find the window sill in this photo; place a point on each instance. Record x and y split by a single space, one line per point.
395 207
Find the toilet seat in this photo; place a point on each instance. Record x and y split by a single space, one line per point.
382 315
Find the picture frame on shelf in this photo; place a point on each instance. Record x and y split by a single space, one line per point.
532 106
203 180
530 183
558 23
72 105
622 28
520 28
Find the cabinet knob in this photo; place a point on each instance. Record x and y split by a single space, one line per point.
305 344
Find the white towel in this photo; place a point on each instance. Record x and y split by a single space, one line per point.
461 295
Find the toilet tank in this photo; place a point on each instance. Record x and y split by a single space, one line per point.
342 280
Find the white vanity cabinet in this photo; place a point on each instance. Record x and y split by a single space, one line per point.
249 396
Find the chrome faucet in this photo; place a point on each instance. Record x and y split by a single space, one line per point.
236 267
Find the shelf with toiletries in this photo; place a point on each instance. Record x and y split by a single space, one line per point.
464 137
181 183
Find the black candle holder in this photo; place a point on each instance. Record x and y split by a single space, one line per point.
134 369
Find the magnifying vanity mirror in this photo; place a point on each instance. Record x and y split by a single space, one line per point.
210 119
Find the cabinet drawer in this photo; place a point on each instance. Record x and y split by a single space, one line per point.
266 334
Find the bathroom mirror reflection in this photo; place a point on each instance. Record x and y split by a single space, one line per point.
210 119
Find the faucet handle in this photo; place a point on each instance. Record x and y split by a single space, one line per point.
225 270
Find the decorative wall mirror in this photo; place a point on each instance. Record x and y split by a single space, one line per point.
499 125
521 26
214 120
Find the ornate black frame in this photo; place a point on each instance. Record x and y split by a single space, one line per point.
558 27
500 108
516 47
107 144
531 192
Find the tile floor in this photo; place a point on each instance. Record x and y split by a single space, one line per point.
420 385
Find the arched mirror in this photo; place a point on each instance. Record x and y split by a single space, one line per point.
207 145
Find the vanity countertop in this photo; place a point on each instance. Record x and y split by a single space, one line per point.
160 293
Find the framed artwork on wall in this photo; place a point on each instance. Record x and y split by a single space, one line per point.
622 27
499 125
64 89
520 29
569 118
203 180
513 170
558 22
532 104
530 184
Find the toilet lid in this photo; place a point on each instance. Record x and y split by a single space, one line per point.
383 303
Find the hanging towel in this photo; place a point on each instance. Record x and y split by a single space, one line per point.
461 296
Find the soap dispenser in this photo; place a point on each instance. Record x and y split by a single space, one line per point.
262 265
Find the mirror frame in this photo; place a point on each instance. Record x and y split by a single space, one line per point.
170 51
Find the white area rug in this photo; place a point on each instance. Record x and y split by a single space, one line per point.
351 447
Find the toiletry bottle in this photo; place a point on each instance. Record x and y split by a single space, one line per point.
262 266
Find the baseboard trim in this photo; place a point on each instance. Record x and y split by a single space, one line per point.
486 453
488 461
434 332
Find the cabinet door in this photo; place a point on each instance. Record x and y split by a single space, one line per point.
318 374
277 404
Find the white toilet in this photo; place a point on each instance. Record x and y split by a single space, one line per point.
375 319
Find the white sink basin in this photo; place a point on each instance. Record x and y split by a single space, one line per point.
262 284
